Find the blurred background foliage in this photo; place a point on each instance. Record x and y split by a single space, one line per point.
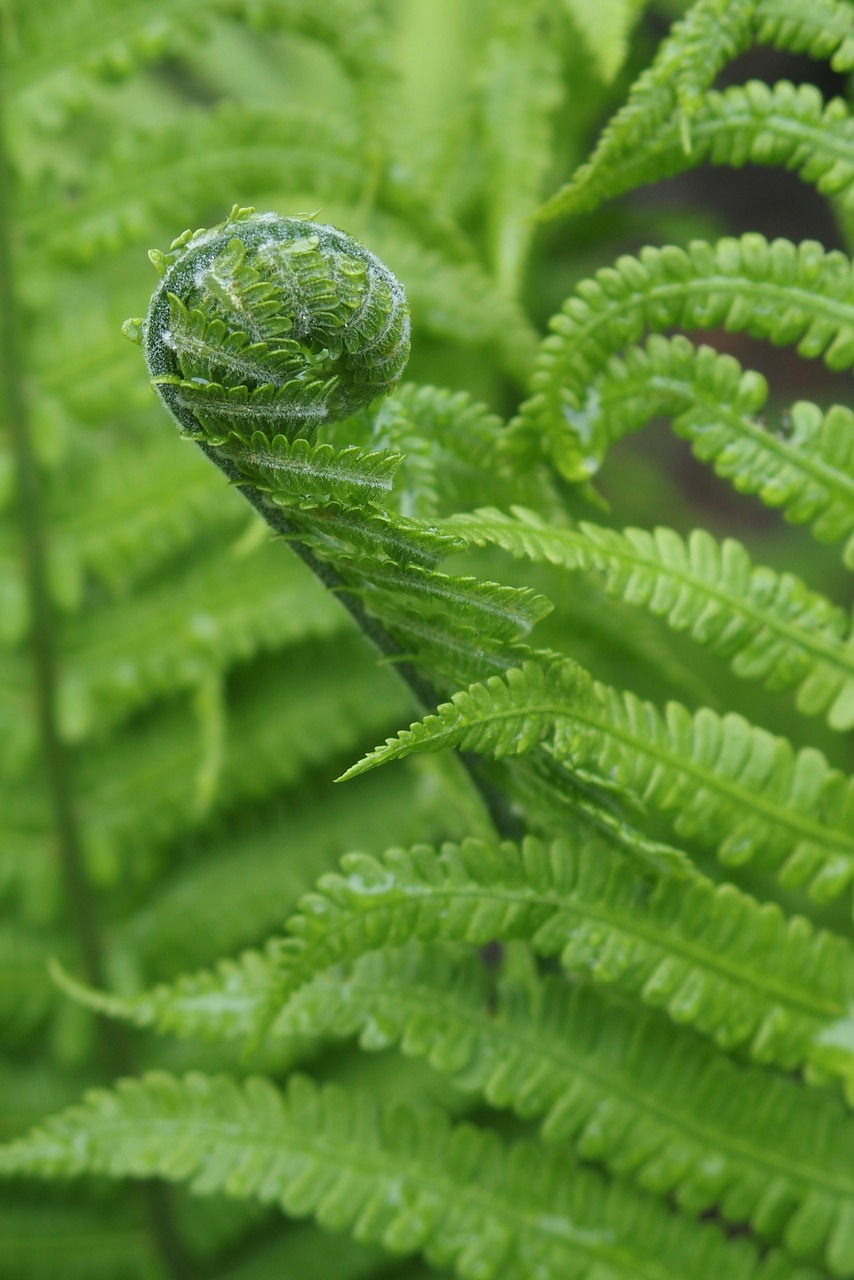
206 690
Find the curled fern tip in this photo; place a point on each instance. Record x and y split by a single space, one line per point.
271 324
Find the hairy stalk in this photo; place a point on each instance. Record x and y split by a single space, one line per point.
426 696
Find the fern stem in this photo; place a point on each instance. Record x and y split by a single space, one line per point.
31 522
426 697
81 906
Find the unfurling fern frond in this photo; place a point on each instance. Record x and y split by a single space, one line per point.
276 323
397 1176
769 625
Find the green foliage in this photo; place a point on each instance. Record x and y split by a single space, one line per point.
598 903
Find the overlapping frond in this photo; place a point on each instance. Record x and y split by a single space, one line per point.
821 30
400 1177
456 298
782 125
794 295
624 1090
734 787
162 178
671 89
261 869
770 626
66 47
205 692
220 608
709 956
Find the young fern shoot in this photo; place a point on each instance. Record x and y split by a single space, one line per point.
619 932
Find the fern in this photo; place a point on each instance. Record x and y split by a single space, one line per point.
693 950
769 625
569 991
341 1159
736 787
784 125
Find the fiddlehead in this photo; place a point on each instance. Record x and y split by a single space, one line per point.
271 324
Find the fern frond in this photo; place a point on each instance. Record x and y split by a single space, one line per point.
710 956
357 540
294 472
785 293
141 787
261 870
735 787
631 1092
784 125
396 1176
161 179
503 716
495 611
454 452
769 625
456 299
219 608
126 506
522 87
227 1002
823 30
806 467
60 51
709 36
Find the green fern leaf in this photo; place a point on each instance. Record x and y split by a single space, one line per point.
496 612
735 787
56 54
626 1091
785 293
456 299
783 126
260 868
399 1177
709 36
297 472
807 467
168 500
221 607
119 205
823 30
709 956
769 625
140 789
505 716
